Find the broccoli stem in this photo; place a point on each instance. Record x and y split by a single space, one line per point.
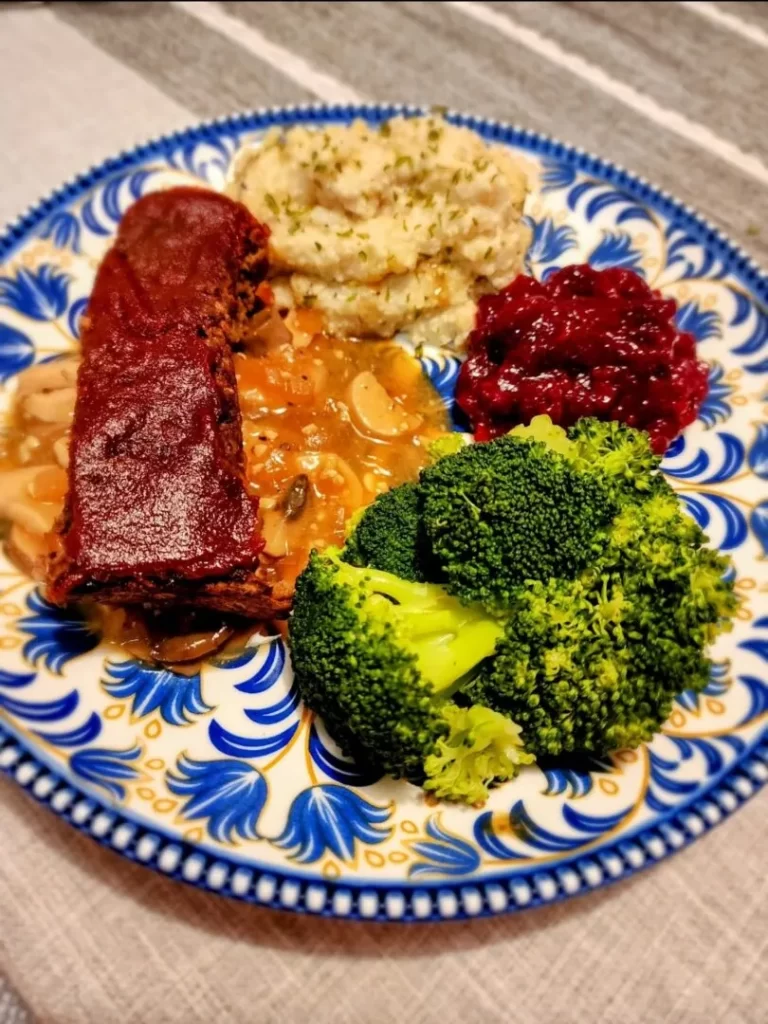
402 591
421 624
448 638
445 660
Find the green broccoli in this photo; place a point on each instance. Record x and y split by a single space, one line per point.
482 747
447 444
389 535
623 454
546 587
594 664
541 428
510 510
378 658
620 455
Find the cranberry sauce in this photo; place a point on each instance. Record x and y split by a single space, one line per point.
584 343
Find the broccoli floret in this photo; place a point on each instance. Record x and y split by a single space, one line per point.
620 454
578 601
482 747
389 535
623 454
541 428
378 658
447 444
511 510
594 664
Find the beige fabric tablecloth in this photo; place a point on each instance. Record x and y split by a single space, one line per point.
86 936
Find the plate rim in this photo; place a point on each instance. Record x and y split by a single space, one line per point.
201 868
490 895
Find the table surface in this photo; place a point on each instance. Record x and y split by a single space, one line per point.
676 92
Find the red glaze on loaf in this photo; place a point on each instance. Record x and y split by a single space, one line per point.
157 508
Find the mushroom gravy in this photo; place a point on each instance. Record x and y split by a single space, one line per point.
328 425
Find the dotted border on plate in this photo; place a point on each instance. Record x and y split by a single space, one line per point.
429 902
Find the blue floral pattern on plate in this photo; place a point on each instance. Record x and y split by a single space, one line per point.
331 818
222 778
56 635
177 697
16 352
37 294
230 795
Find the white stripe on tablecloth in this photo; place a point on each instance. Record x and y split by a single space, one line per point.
672 120
325 87
724 19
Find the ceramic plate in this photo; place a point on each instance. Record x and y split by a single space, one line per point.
222 779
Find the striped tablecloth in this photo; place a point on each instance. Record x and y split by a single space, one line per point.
677 92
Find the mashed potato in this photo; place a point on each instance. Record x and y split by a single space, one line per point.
385 229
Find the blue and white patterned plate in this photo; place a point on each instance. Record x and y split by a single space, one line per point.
222 779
